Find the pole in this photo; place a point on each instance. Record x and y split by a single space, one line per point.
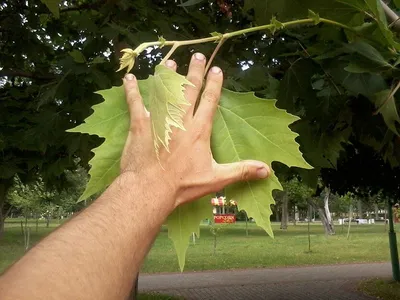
393 245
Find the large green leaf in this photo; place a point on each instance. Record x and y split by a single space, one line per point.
184 221
53 6
297 84
110 120
372 59
375 9
248 127
385 102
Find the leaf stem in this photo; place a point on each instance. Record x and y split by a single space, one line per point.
221 42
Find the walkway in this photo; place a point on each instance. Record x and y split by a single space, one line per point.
295 283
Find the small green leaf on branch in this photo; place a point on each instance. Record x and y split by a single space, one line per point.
276 25
218 34
312 15
127 60
162 40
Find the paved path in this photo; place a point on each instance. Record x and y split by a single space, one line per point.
297 283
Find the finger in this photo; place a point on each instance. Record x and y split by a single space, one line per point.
171 64
240 171
195 75
209 99
133 98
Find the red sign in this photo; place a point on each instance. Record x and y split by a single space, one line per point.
227 218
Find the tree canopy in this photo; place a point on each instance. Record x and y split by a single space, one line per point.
342 82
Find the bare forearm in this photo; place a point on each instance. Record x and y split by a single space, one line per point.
97 254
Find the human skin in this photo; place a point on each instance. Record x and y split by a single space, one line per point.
97 254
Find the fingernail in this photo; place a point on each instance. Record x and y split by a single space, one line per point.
129 76
262 173
170 63
215 70
199 56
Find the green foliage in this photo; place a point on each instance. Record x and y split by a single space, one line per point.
29 198
53 6
335 79
298 192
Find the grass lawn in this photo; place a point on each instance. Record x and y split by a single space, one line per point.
367 243
156 297
381 288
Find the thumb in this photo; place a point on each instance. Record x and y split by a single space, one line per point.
241 171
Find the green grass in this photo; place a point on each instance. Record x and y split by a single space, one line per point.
381 288
368 243
157 297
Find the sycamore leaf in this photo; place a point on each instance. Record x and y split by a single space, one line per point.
110 120
166 98
185 220
373 58
248 127
385 102
53 6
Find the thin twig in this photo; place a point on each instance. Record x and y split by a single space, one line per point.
174 47
323 70
392 93
221 42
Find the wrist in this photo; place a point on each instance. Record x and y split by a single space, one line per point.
147 188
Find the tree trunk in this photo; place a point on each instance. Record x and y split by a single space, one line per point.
4 186
48 220
247 220
359 209
277 219
308 227
294 215
329 230
385 220
37 221
376 212
350 217
325 214
285 211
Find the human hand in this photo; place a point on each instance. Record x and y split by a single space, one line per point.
189 170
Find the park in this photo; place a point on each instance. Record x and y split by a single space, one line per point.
310 89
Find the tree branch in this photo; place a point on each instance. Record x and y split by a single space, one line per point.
391 16
25 74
